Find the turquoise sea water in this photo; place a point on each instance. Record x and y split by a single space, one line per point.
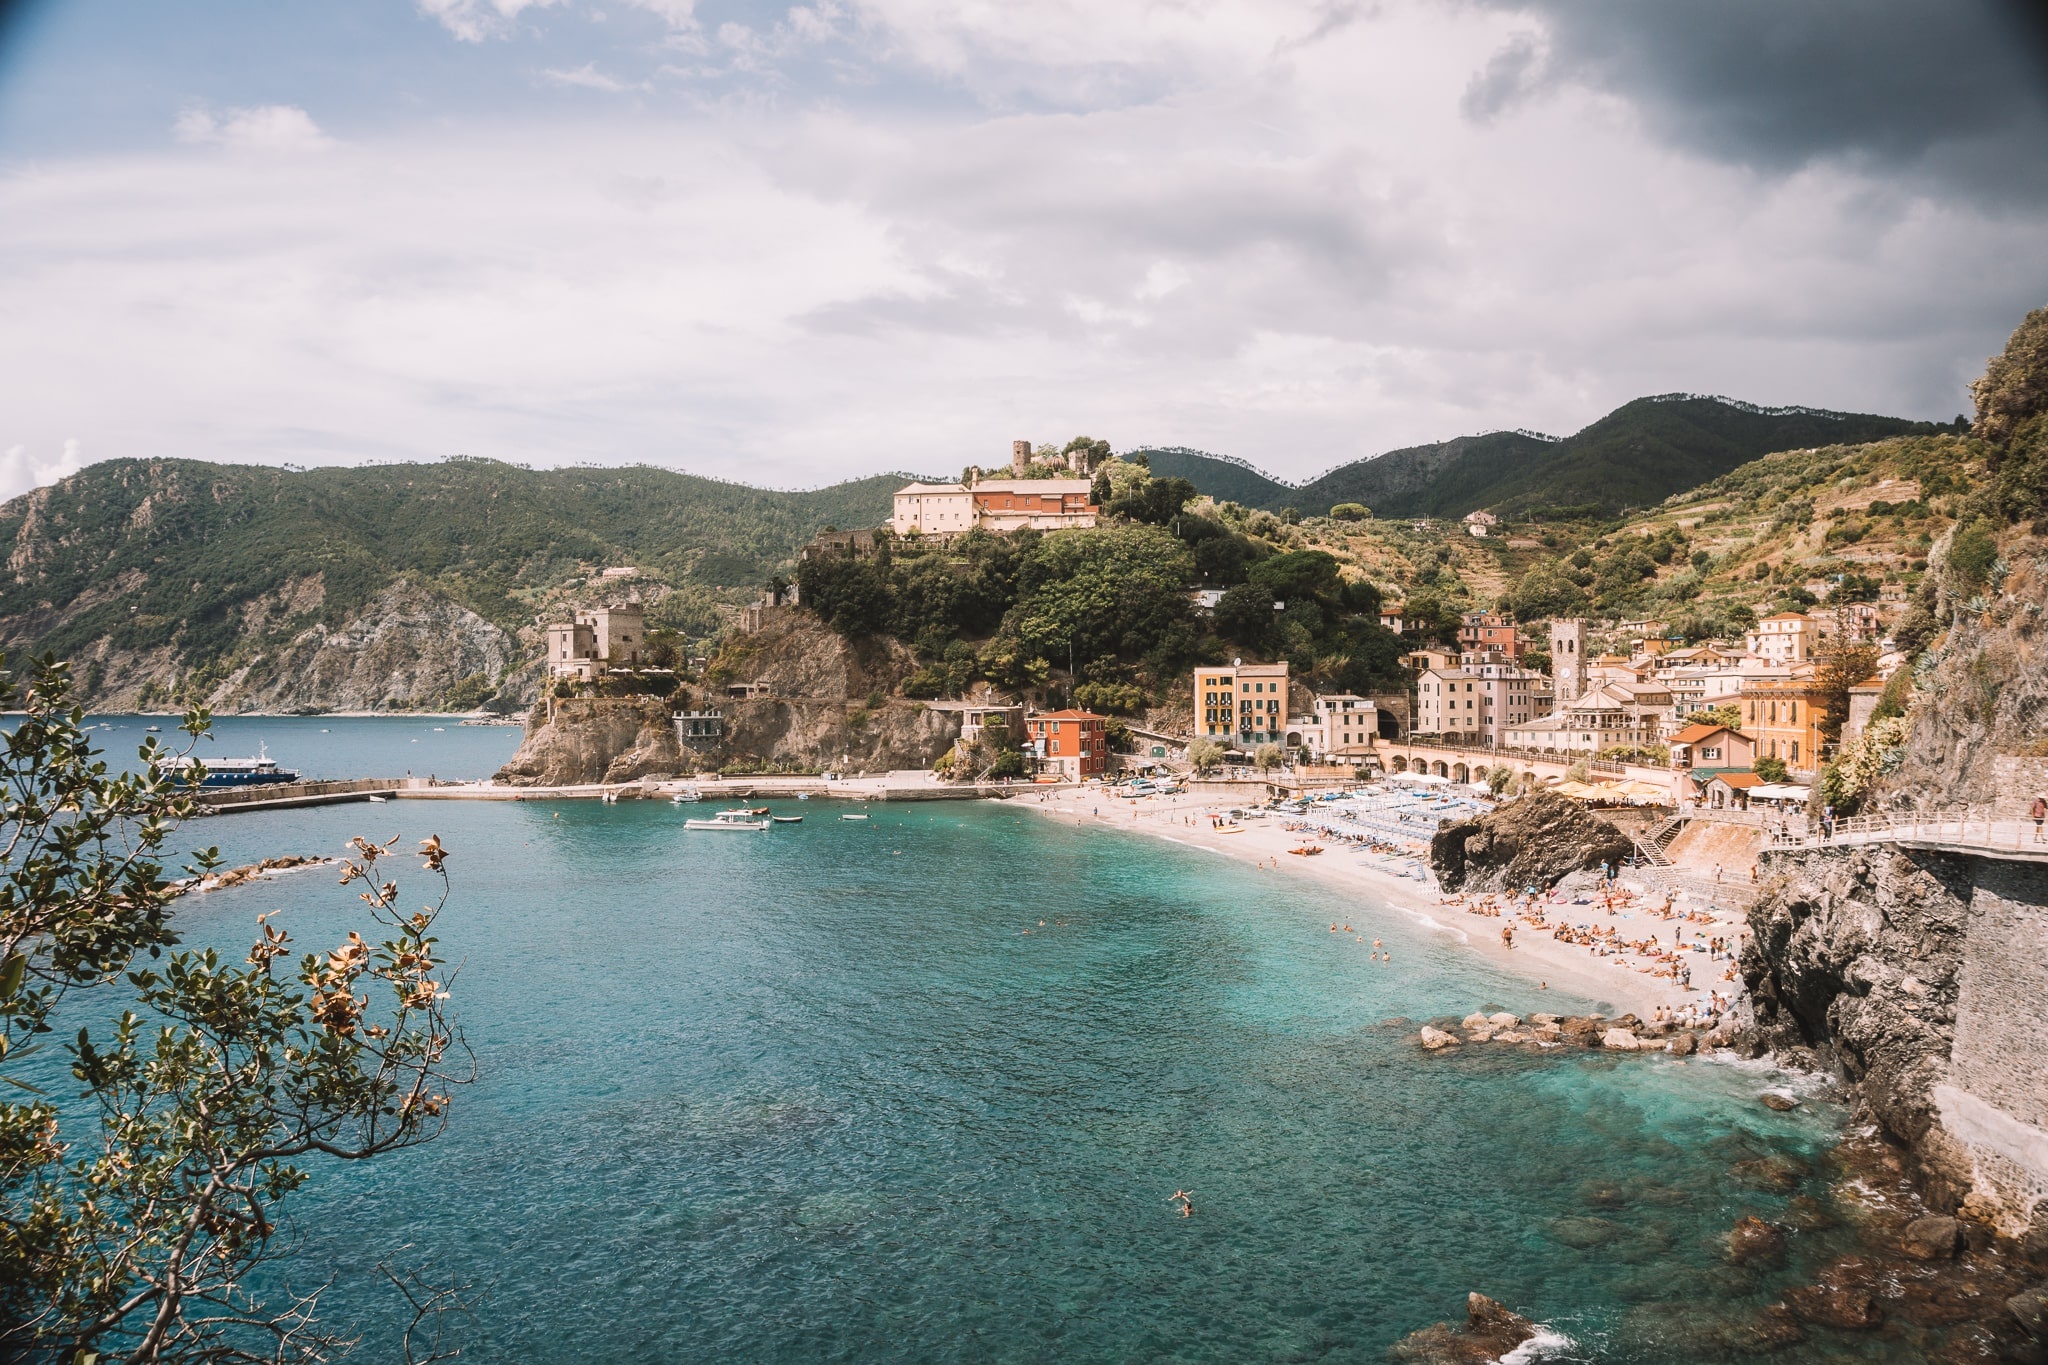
816 1093
322 747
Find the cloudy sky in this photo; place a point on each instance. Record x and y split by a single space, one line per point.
791 244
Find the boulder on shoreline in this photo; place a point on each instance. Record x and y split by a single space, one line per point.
1535 841
1435 1038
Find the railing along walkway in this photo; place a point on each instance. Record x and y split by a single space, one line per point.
1970 829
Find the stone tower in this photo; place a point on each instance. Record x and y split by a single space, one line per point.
1568 660
1020 457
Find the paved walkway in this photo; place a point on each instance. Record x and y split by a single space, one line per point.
1960 831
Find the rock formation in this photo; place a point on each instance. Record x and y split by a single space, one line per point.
1919 976
597 739
1536 841
1490 1332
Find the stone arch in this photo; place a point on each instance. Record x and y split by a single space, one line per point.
1441 768
1400 763
1294 739
1460 773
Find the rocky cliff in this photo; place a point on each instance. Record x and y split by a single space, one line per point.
1920 976
829 703
597 739
1535 841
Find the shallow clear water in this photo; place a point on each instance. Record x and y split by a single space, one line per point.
816 1093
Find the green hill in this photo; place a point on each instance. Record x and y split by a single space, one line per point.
1223 477
1635 456
186 556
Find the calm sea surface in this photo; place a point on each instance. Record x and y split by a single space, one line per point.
817 1093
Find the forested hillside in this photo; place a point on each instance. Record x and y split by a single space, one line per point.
175 575
1635 456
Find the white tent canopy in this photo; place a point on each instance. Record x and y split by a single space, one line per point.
1779 791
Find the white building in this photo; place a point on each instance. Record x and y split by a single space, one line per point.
948 509
1480 524
1787 638
1341 726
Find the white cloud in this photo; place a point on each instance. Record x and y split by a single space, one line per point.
21 470
1257 231
475 20
262 128
585 77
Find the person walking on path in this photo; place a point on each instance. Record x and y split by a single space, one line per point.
2040 814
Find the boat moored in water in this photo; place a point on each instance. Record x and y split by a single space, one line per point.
261 770
726 819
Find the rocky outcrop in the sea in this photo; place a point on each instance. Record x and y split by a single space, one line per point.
1490 1332
597 739
1535 841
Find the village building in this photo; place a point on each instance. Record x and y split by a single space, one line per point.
1863 699
996 505
1481 523
1071 744
1784 715
1487 633
1475 702
1568 659
1707 748
1391 618
1729 790
1607 715
596 642
1241 704
1341 726
1786 638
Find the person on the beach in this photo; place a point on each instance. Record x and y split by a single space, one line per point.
1507 936
2040 816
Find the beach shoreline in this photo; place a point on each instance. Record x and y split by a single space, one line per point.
1546 964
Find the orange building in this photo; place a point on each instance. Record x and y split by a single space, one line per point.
1783 716
1071 743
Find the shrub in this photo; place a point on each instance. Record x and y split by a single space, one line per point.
1351 511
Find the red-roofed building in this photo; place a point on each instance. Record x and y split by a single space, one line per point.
1072 743
1712 746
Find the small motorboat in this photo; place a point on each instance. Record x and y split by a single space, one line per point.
1230 829
380 800
788 819
152 729
803 796
611 798
853 817
727 819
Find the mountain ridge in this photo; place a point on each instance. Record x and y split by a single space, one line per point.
1642 452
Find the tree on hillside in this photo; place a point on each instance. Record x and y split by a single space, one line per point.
1205 754
2012 417
134 1229
1842 666
1728 715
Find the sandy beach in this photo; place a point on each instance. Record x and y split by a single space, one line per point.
1620 983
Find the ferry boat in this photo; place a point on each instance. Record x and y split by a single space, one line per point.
261 770
727 819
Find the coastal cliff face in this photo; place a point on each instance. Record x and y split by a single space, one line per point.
406 648
1920 976
830 702
1981 690
836 735
1535 841
597 739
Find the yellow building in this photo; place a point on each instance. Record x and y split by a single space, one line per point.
1784 715
1241 704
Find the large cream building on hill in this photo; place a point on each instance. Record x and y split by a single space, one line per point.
1013 504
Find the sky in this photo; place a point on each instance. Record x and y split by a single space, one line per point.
793 244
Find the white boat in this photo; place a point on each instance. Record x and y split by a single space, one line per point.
853 817
727 819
